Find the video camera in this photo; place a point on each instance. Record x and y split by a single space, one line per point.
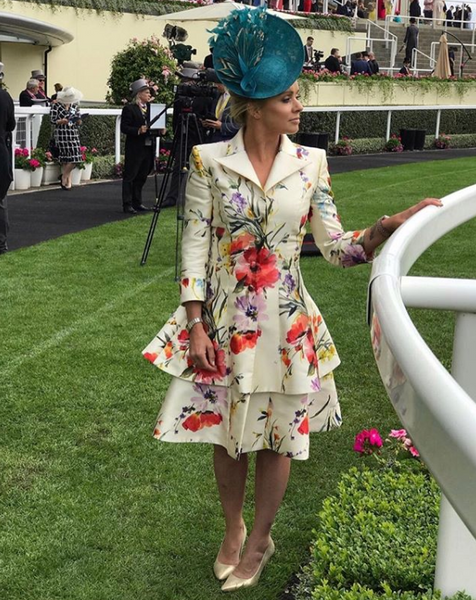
318 55
189 95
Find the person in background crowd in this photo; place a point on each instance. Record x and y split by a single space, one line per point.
208 62
405 70
458 15
468 15
361 12
7 125
374 66
58 88
415 9
397 18
411 39
41 93
309 50
66 118
333 62
428 8
140 146
222 127
450 16
28 96
451 58
439 12
372 11
360 65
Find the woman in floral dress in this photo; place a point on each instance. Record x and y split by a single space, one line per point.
251 357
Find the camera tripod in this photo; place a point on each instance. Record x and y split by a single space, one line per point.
178 160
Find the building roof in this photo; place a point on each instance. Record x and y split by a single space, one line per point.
16 28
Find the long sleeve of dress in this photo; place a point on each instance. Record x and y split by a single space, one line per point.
54 114
339 247
197 232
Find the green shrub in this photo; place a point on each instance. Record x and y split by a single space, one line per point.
103 167
143 59
373 124
379 531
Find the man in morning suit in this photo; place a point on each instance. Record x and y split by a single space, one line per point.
139 151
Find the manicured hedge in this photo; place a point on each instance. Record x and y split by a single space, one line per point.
96 132
376 539
373 124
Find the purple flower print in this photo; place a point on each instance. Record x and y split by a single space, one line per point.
238 201
301 152
211 397
251 310
289 282
316 384
353 255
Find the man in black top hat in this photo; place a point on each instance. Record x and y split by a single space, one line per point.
7 125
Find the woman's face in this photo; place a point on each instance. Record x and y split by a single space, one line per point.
280 114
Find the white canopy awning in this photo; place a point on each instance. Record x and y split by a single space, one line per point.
16 28
216 12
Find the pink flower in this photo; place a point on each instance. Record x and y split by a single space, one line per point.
94 151
18 152
414 452
34 164
26 152
366 440
83 148
398 433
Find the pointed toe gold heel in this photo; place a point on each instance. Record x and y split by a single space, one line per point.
235 583
221 570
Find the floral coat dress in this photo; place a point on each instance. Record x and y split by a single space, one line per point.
273 382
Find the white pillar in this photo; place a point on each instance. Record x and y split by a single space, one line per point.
337 127
389 125
456 553
117 140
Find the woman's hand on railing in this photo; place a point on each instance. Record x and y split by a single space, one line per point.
384 227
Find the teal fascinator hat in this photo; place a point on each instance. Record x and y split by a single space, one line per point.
255 54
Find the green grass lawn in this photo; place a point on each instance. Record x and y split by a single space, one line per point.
93 508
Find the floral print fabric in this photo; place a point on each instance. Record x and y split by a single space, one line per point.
240 257
271 421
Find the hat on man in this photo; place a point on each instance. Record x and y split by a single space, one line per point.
38 74
139 85
256 54
69 95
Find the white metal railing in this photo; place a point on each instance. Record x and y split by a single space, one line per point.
435 23
31 115
388 38
437 408
389 109
415 54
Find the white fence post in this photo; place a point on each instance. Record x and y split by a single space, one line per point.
456 554
389 125
337 127
438 119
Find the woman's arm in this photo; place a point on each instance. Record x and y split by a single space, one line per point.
195 256
349 248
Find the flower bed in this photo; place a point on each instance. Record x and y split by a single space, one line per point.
377 534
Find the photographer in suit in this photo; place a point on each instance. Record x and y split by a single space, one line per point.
7 125
219 125
140 145
333 62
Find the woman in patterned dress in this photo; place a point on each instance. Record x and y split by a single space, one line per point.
251 356
66 118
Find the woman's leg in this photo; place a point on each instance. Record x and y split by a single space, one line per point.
231 480
66 171
272 475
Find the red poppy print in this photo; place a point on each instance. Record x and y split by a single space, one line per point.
310 349
256 268
150 356
199 420
241 341
303 429
220 231
241 242
298 330
168 350
183 339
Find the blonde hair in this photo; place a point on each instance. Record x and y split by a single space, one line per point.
239 107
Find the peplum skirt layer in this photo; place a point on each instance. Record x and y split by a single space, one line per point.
243 423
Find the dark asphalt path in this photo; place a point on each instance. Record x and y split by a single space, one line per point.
53 212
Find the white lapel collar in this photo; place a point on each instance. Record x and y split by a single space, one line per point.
290 158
